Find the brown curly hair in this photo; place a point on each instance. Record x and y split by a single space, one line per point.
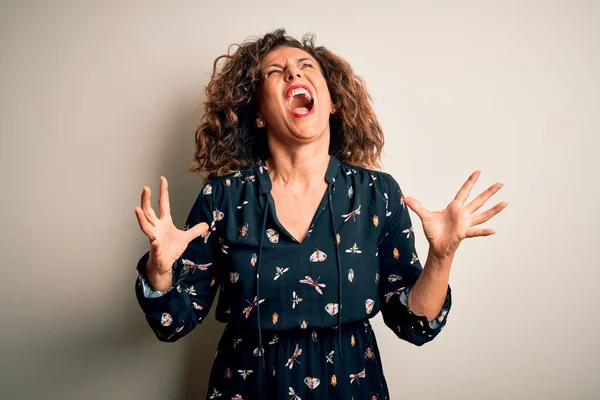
227 140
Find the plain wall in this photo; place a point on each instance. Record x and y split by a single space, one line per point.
100 98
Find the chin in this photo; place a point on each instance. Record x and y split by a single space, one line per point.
308 134
308 128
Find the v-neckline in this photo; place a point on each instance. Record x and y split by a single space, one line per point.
267 184
282 228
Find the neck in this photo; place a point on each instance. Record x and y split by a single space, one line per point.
303 167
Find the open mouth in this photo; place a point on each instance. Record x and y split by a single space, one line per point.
300 101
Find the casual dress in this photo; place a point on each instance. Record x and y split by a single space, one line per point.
297 313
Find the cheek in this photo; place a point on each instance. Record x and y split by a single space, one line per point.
325 99
270 91
323 89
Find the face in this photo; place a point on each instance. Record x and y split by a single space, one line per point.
294 100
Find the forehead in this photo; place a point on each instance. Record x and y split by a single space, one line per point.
282 54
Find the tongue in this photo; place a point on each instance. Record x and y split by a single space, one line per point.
301 110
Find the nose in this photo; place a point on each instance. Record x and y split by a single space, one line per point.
292 73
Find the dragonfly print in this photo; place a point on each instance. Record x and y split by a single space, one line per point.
294 358
309 281
247 310
190 265
356 377
389 295
351 214
293 394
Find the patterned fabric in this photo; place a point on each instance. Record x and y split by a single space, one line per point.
308 303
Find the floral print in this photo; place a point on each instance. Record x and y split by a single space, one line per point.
297 313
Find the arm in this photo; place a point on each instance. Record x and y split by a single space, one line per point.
429 292
174 312
402 272
160 282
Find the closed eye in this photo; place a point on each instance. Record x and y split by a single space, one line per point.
271 72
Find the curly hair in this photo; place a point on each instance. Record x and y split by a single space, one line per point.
227 140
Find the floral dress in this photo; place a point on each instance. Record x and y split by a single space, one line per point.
297 313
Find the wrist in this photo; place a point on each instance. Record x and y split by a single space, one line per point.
156 270
439 261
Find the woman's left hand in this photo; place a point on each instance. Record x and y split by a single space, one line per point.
445 229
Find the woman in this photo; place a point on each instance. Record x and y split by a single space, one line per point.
303 238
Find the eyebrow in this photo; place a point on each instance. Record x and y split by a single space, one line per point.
298 61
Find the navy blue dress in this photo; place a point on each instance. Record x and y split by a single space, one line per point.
297 313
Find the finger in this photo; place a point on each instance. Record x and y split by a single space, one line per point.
483 197
155 247
145 226
164 207
486 215
416 206
473 232
465 190
146 206
197 230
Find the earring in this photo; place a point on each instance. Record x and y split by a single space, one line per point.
333 110
260 123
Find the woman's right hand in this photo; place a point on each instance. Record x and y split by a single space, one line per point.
167 243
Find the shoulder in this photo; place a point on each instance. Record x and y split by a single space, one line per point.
382 181
233 184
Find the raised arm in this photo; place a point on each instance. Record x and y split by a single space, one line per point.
178 278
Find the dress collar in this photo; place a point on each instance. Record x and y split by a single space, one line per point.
265 179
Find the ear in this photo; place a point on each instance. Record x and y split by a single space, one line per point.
259 122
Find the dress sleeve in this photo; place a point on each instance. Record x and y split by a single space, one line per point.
400 267
175 312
